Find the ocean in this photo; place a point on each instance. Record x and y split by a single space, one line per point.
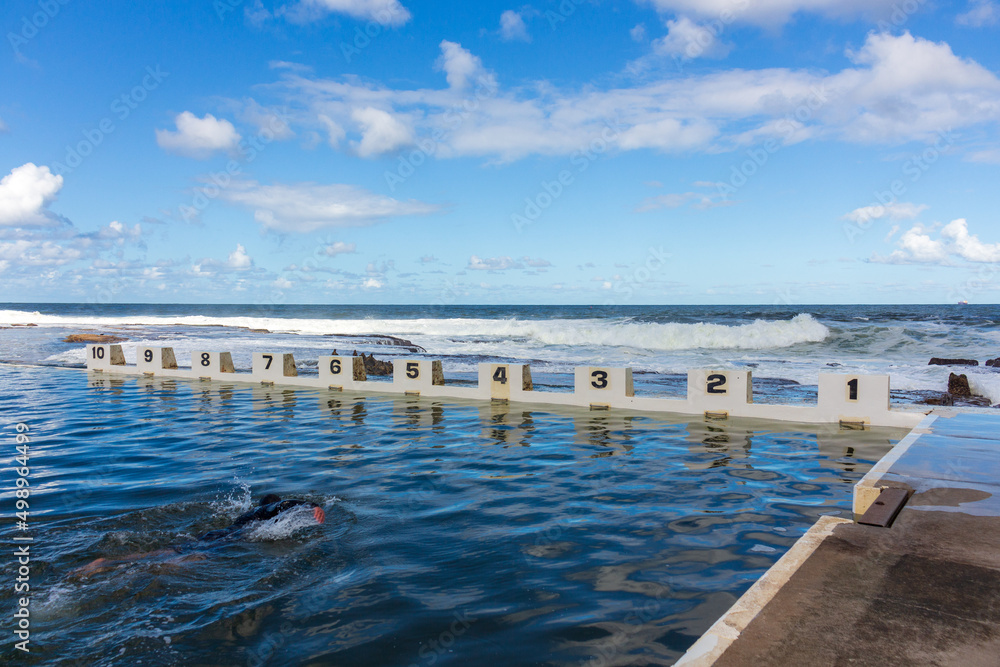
456 532
785 347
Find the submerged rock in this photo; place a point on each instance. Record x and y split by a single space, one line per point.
940 399
937 361
995 363
93 338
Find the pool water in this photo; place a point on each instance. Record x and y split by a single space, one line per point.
456 533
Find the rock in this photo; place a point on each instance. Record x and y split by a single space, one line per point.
936 361
24 325
958 385
93 338
258 331
995 363
375 367
940 399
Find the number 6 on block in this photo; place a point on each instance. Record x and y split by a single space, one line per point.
341 372
211 365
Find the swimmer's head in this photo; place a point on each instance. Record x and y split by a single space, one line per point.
269 498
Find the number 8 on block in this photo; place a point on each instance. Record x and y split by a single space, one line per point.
211 365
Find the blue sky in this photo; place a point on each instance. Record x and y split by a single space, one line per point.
394 151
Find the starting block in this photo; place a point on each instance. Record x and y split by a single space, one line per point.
152 360
853 398
103 357
718 392
412 375
341 373
602 387
211 365
506 381
270 368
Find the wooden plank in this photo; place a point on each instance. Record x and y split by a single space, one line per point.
885 508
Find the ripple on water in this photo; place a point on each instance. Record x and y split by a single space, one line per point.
456 533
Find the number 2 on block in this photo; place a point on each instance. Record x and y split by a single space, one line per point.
716 384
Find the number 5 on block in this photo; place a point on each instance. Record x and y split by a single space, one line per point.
412 375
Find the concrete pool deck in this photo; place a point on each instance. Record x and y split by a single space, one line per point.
925 591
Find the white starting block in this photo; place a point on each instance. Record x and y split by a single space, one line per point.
103 357
854 399
341 373
602 387
413 375
270 368
211 365
152 360
506 381
718 392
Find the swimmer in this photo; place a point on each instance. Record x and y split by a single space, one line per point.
270 506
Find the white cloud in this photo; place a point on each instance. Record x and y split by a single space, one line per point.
493 263
953 243
307 207
900 89
512 27
372 283
700 200
688 39
381 132
334 132
893 211
459 65
981 13
37 253
638 33
968 246
25 194
283 283
989 156
773 12
538 263
3 126
339 248
385 12
198 137
239 259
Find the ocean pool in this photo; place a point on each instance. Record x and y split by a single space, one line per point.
456 533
